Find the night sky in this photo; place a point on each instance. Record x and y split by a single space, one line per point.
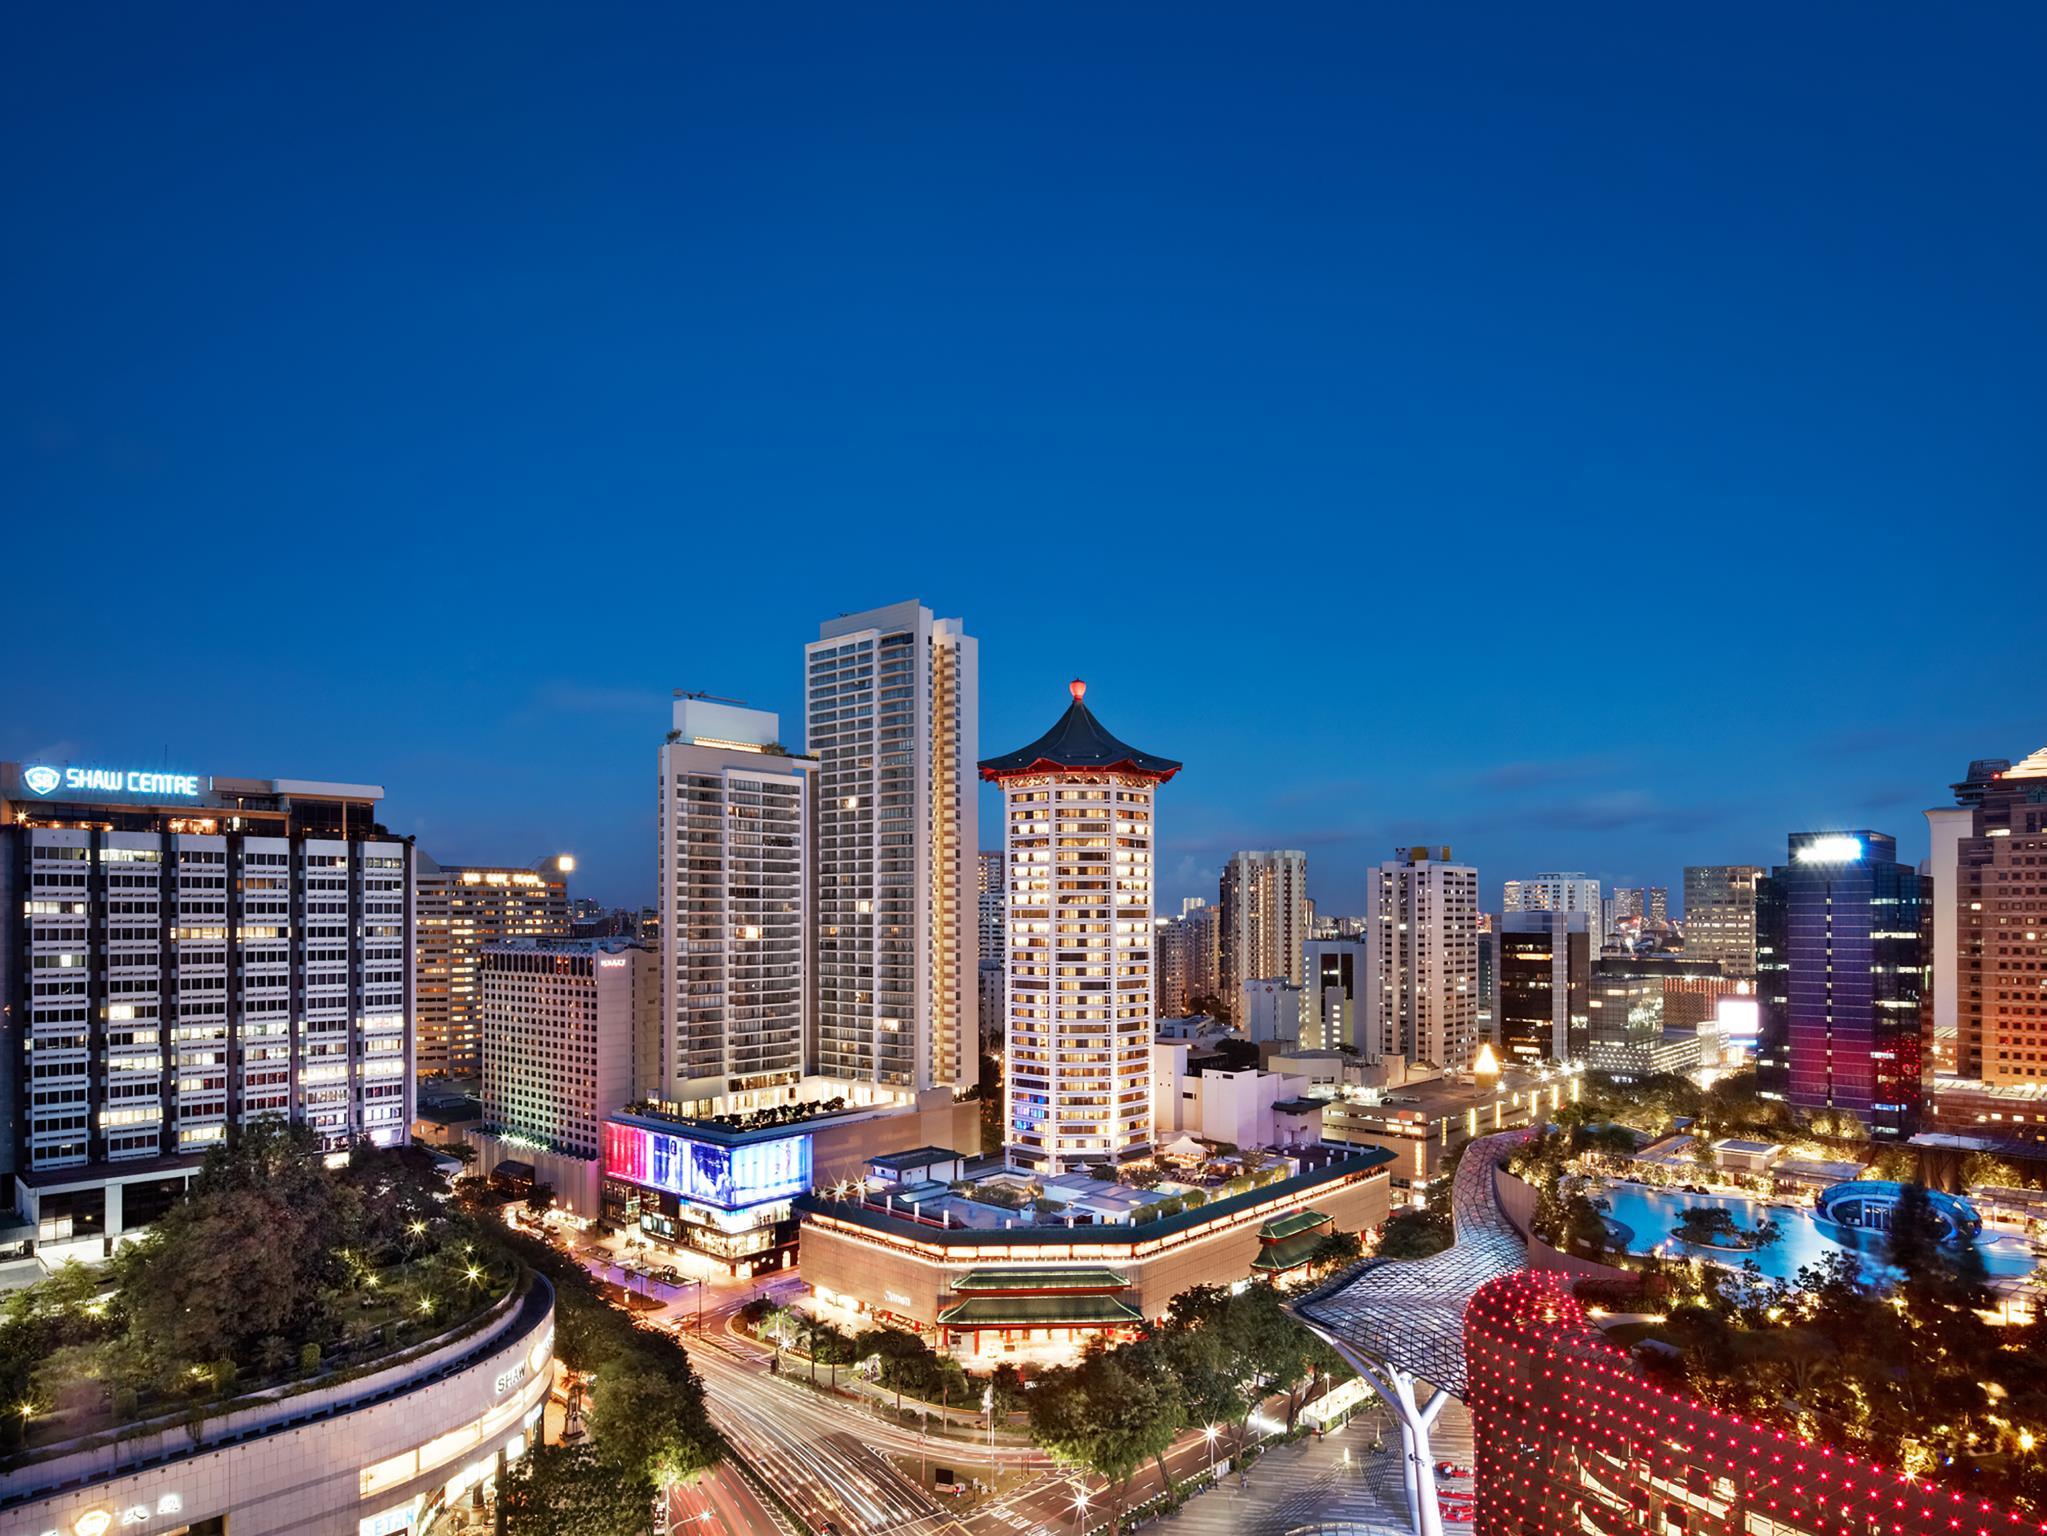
1600 441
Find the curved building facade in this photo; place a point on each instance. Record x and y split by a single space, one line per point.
1573 1441
387 1452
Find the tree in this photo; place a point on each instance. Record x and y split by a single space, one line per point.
1709 1226
1413 1234
571 1491
1334 1250
649 1423
1109 1414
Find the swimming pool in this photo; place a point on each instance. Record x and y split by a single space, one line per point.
1651 1213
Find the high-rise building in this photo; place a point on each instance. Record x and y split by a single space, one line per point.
1657 909
1565 891
1842 934
1264 920
1419 996
1079 830
1541 989
1651 1013
458 910
1720 916
892 714
733 816
1171 938
992 883
1998 914
180 954
1204 950
561 1021
1488 968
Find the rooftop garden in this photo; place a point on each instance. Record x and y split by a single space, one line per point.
277 1270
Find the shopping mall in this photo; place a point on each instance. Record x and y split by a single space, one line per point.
1573 1440
982 1274
389 1450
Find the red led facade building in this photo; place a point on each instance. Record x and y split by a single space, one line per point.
1573 1441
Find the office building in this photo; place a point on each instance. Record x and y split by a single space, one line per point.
1264 915
1078 809
1420 992
179 954
733 815
892 715
1650 1014
1541 990
458 909
561 1019
1331 1011
1657 908
1999 917
1488 968
1842 934
1720 916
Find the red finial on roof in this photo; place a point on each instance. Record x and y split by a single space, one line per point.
1077 688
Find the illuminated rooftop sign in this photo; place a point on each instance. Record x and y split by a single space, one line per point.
41 779
1830 850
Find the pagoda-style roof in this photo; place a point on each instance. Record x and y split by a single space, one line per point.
1292 1224
1025 1282
1078 741
1291 1254
1041 1312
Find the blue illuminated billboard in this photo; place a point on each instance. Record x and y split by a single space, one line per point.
731 1177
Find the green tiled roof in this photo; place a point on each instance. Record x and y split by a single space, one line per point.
1040 1312
1292 1253
1303 1220
1040 1280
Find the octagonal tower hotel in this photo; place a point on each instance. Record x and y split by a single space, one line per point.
1078 831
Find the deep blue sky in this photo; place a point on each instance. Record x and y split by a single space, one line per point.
1595 437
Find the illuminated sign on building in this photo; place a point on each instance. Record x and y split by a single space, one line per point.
1831 850
708 1172
44 780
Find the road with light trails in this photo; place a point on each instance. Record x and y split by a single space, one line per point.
817 1452
720 1503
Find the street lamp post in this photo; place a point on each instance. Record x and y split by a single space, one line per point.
1209 1435
1080 1512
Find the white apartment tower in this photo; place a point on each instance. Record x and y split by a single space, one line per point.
734 809
1079 830
1418 998
892 716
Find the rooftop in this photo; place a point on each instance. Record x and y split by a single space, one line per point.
1078 740
921 1157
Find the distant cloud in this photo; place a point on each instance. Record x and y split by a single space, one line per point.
1626 809
1537 772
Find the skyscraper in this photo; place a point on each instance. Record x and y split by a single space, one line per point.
1720 916
1264 920
1541 985
458 910
1657 910
180 954
733 812
1418 999
1842 933
892 715
1079 831
1565 891
1999 916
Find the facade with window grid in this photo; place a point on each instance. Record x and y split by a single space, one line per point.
892 715
180 965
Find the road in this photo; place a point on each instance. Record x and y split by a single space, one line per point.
830 1458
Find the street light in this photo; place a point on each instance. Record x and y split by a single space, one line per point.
1209 1434
1080 1512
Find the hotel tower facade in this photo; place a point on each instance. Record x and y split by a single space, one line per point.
1079 832
892 715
